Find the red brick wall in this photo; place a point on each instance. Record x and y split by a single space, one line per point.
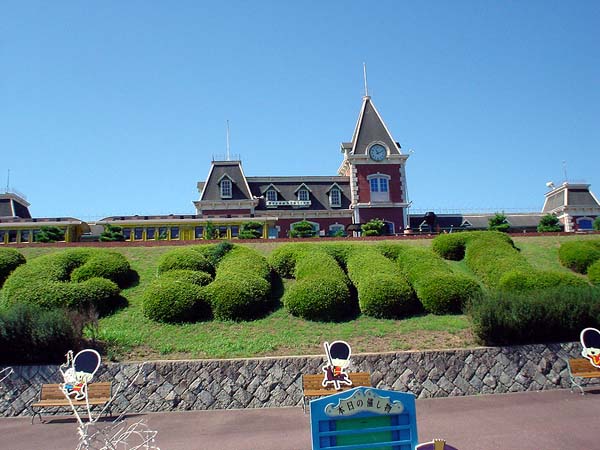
324 223
364 190
393 215
225 212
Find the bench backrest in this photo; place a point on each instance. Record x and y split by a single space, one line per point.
314 381
95 390
583 366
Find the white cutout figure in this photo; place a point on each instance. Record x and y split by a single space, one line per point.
78 371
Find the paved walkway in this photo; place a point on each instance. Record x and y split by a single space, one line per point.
550 420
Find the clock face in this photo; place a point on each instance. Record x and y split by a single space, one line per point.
377 152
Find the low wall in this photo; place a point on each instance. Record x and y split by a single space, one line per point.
271 382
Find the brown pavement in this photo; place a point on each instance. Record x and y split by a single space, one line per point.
549 420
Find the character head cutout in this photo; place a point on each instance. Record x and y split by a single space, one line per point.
590 340
78 371
436 444
338 359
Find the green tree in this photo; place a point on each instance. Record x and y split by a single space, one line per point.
251 230
597 223
374 227
549 223
211 232
50 234
499 223
112 233
303 229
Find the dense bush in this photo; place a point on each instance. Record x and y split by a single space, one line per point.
50 234
46 281
112 233
30 334
283 259
593 273
188 258
549 223
105 264
242 288
383 291
439 290
450 246
498 223
251 230
596 224
172 301
374 227
537 280
10 259
579 255
322 289
303 229
558 314
189 276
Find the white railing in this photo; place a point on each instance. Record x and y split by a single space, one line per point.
289 203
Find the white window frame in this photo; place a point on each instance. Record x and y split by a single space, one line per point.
303 195
268 195
376 182
338 203
226 188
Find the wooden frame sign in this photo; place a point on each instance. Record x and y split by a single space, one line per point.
380 419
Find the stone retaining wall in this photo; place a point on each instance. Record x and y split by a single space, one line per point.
271 382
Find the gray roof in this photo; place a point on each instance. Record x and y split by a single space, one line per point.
370 128
554 201
232 170
287 189
581 198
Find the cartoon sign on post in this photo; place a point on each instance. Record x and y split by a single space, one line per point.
338 359
590 340
78 371
436 444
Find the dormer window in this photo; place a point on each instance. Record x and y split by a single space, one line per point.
225 188
303 195
271 195
335 197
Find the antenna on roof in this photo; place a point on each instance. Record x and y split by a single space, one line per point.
8 181
564 165
228 158
365 76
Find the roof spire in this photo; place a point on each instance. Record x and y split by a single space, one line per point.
365 76
228 157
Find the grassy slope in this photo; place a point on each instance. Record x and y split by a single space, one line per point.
131 336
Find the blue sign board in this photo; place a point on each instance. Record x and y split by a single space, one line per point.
364 418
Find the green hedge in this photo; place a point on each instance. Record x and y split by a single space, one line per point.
46 281
383 291
283 259
187 258
439 289
593 273
538 280
173 301
579 255
450 246
32 335
242 288
190 276
322 289
10 259
105 264
559 314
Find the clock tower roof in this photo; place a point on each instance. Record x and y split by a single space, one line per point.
370 129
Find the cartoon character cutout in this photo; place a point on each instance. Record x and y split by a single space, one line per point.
78 371
436 444
590 340
338 359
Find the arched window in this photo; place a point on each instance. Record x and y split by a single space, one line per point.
379 186
225 188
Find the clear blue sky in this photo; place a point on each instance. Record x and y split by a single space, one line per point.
117 107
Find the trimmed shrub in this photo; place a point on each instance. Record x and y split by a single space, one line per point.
112 233
242 288
30 334
498 223
283 259
105 264
549 223
593 273
322 289
50 234
303 229
579 255
175 301
189 276
383 291
450 246
10 259
537 280
46 281
374 227
559 314
440 290
251 230
188 258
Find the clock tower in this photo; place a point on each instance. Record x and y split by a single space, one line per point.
375 164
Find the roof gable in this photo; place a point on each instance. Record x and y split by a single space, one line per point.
370 128
226 169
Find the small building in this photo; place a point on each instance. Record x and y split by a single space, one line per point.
574 204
